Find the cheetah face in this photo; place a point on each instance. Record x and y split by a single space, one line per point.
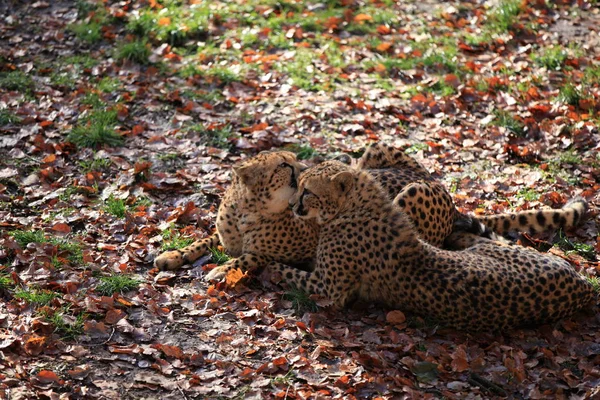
272 177
322 191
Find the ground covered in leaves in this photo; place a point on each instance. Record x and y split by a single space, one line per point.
119 122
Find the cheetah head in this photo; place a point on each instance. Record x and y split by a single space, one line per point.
271 177
322 190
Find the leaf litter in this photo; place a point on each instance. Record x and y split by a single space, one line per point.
499 100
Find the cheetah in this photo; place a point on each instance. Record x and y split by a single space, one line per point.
255 225
419 195
368 249
254 222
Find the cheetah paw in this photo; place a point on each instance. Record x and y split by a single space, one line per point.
169 260
216 274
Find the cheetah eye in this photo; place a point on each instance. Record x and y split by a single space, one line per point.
284 165
306 193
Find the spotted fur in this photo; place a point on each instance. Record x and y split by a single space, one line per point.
254 223
368 248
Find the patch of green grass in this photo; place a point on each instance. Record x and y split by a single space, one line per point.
16 80
595 281
90 32
116 284
509 121
168 156
85 7
592 73
36 297
92 99
567 157
6 282
571 94
571 247
301 301
97 164
66 195
415 148
217 137
172 24
278 40
502 17
74 249
444 57
551 57
478 40
96 129
528 194
108 84
136 51
115 206
225 75
173 240
68 326
303 152
83 61
189 70
556 167
442 88
218 256
284 380
302 72
212 96
23 238
392 65
63 79
6 117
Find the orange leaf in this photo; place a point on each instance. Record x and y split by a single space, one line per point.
234 276
459 359
383 30
383 47
45 123
164 21
113 316
61 227
452 80
254 128
380 68
50 158
142 166
171 351
395 317
363 17
137 129
34 345
46 376
280 361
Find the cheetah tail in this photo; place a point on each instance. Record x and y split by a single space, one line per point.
532 221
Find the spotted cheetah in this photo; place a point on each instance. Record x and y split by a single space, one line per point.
254 222
369 249
430 206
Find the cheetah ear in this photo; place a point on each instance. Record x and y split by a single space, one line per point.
245 173
344 181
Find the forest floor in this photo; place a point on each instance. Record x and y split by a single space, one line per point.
119 122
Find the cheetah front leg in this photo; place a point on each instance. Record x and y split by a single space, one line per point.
174 259
320 282
245 262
